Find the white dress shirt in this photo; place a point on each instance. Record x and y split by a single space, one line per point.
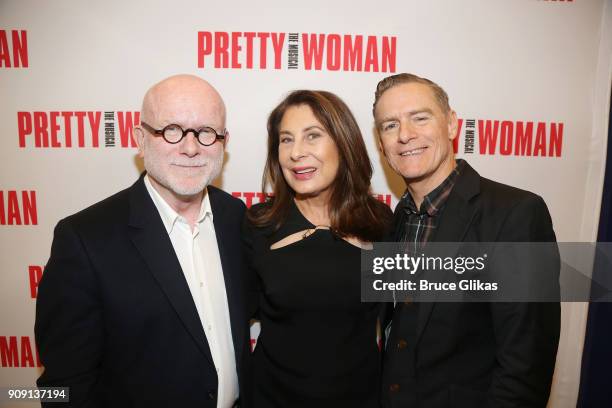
198 254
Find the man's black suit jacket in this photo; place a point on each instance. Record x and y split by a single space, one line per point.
477 354
115 320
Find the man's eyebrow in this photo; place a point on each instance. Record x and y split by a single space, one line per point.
421 110
386 119
409 113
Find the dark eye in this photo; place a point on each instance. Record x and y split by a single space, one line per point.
207 130
312 136
285 139
173 133
389 126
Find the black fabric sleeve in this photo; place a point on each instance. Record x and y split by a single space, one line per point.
68 328
251 280
527 334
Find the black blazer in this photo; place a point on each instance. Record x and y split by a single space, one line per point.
115 320
477 354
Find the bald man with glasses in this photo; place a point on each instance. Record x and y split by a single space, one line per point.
141 302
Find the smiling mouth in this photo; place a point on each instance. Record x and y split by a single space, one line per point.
303 173
305 170
413 152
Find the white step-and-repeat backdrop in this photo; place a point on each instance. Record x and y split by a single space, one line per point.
529 79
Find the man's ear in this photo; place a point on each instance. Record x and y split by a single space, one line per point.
139 136
452 125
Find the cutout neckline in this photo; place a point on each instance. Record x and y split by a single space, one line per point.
304 234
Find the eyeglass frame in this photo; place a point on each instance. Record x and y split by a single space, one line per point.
196 132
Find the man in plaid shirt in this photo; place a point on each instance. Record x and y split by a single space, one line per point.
458 354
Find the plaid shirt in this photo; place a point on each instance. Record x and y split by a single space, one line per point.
416 228
420 224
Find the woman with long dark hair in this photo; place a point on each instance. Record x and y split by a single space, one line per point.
318 344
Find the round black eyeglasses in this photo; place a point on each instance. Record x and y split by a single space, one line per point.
173 133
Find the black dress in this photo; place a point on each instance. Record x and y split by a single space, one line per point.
317 346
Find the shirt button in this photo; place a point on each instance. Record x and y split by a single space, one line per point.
394 387
401 344
209 327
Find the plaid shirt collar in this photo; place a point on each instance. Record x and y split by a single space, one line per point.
434 201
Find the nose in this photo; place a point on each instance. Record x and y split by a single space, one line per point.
406 132
190 146
297 150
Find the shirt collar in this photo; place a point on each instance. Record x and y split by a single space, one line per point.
168 215
435 200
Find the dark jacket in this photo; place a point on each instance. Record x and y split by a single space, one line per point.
476 354
115 320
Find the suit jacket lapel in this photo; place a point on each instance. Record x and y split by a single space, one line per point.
151 239
230 264
455 221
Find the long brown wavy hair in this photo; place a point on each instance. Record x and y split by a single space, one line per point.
353 210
